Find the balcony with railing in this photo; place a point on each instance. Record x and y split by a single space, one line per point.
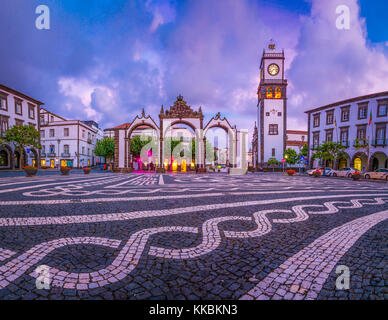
65 155
43 154
345 143
379 142
360 143
51 154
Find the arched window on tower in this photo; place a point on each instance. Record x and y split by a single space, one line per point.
269 93
278 93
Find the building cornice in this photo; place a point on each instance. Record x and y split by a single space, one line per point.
348 101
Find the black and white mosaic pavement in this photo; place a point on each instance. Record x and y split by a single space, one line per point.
186 236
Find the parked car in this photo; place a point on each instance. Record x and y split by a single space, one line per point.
324 171
377 174
345 172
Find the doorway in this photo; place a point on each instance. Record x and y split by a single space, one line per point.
358 164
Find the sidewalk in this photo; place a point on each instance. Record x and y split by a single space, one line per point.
45 172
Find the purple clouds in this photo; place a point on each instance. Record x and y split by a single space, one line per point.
106 61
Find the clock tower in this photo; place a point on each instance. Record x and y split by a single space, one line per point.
271 106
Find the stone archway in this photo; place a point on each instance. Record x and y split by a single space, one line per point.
6 157
137 123
343 162
359 161
378 160
223 123
181 113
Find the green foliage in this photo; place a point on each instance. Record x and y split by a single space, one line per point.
291 156
304 151
272 162
360 143
21 137
137 143
329 151
105 148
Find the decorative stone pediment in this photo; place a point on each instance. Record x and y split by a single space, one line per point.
180 110
219 122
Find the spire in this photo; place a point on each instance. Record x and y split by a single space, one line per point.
200 110
142 113
161 109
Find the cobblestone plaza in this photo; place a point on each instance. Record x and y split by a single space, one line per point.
187 236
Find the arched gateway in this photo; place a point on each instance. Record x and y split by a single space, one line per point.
170 120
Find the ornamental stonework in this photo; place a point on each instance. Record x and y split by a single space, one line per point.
180 110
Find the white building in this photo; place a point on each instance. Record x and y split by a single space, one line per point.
296 139
17 108
68 142
360 124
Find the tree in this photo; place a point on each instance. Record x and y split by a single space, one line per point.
319 154
209 149
137 143
105 148
332 151
272 162
304 151
291 156
21 137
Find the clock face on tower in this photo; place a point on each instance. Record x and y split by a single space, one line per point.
273 69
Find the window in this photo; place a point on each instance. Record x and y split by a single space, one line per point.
83 134
267 114
3 101
18 122
3 123
279 114
278 93
330 117
345 114
31 111
83 150
273 152
380 135
52 148
66 132
362 111
361 132
382 110
52 133
52 118
269 93
344 135
88 152
42 133
315 139
18 106
43 149
273 129
329 136
316 120
66 148
42 119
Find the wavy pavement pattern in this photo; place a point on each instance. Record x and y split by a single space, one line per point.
303 275
130 254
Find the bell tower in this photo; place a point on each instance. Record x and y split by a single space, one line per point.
271 106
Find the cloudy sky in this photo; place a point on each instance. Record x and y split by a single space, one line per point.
105 60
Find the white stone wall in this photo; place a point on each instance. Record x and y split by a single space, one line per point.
273 141
352 123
